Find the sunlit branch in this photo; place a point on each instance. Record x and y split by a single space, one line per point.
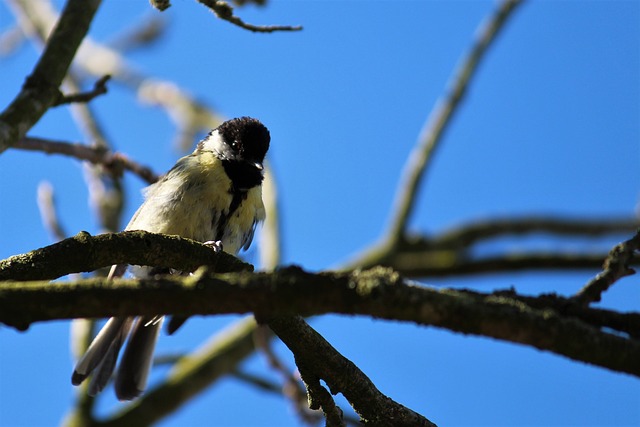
95 155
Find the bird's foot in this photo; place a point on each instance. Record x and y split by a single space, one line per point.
216 245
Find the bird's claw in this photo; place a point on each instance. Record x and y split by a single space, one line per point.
216 245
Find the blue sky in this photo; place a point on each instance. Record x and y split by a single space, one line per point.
551 125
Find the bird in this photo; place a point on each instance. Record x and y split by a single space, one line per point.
214 196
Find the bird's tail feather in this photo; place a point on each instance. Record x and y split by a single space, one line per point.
133 372
115 329
105 369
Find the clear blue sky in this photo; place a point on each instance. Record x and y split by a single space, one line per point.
551 125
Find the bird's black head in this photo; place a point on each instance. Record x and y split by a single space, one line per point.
241 144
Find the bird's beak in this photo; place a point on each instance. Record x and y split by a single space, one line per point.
257 165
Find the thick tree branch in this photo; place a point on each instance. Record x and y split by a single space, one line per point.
379 293
42 88
84 253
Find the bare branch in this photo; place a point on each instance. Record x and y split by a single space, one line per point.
320 398
99 88
83 253
378 292
449 263
470 233
438 121
317 359
190 114
96 155
224 11
616 266
447 253
41 89
625 323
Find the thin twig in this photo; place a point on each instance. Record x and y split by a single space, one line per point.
99 88
114 161
616 266
471 233
224 11
447 253
436 124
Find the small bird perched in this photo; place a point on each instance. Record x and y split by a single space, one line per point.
213 195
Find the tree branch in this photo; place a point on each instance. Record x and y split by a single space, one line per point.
41 89
378 292
96 155
436 263
190 115
224 11
317 359
616 266
473 232
99 88
448 253
84 253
